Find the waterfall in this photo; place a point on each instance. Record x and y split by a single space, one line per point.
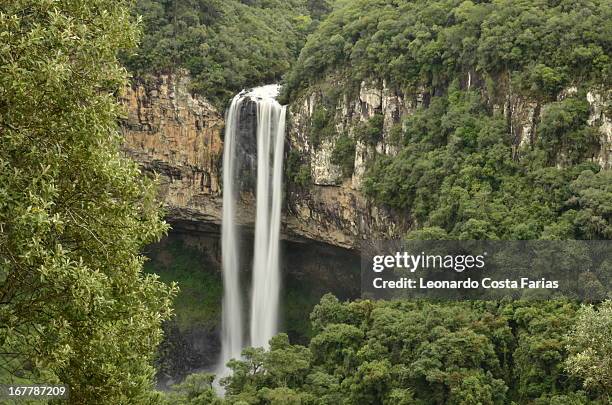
270 134
231 324
266 277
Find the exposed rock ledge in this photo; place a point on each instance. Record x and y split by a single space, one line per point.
333 205
178 135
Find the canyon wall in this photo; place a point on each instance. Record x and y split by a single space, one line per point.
333 204
178 135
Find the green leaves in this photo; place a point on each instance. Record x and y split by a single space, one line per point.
456 173
74 213
550 45
591 349
592 196
225 45
564 133
413 352
463 168
343 154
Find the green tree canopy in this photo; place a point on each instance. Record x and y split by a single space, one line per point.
75 307
590 348
226 45
542 45
417 352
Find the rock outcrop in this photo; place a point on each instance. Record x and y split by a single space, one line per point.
333 207
178 136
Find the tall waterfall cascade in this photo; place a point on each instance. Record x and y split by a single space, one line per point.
264 312
231 322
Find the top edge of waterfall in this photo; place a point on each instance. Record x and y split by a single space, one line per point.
267 92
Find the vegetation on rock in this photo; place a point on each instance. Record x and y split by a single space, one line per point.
460 168
343 154
456 172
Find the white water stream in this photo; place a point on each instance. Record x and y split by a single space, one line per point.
266 275
271 118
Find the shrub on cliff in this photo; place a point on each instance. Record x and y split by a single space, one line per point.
343 154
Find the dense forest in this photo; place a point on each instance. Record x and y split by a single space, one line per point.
459 172
226 45
456 174
459 175
426 353
544 46
75 214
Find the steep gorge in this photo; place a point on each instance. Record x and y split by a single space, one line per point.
177 135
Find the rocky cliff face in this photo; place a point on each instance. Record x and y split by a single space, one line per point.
333 205
170 132
178 136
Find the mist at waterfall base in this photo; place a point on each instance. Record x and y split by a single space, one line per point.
270 132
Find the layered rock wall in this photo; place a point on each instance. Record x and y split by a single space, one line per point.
178 136
335 207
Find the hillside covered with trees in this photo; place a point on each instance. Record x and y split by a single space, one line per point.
225 45
461 170
427 353
543 45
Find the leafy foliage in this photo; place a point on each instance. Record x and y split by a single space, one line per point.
296 171
421 353
370 132
591 196
543 46
75 307
343 154
226 45
196 389
321 125
456 173
460 169
563 131
590 348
